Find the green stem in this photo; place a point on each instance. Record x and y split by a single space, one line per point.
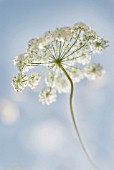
73 118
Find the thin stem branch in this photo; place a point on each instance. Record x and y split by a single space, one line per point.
66 48
73 117
62 48
50 52
76 50
33 64
69 49
66 52
54 50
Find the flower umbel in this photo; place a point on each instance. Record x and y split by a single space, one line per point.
47 95
19 82
65 54
68 47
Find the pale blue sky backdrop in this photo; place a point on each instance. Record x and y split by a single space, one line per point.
37 137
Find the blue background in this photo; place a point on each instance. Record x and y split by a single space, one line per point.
43 137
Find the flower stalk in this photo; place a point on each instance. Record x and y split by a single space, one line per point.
73 117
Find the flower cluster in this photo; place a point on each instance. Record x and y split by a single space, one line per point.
69 48
21 81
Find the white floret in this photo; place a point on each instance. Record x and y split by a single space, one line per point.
33 80
94 71
47 96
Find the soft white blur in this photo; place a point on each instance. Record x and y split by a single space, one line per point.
9 112
47 137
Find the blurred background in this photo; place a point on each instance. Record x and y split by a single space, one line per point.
37 137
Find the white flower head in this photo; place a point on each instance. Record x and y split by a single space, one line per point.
20 82
83 57
76 74
50 79
23 62
47 96
33 80
94 71
65 54
62 34
62 84
98 45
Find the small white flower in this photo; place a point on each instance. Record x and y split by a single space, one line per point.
20 82
50 79
62 84
23 62
81 26
76 74
94 71
91 34
33 44
47 96
49 36
83 57
36 43
33 80
61 34
98 45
